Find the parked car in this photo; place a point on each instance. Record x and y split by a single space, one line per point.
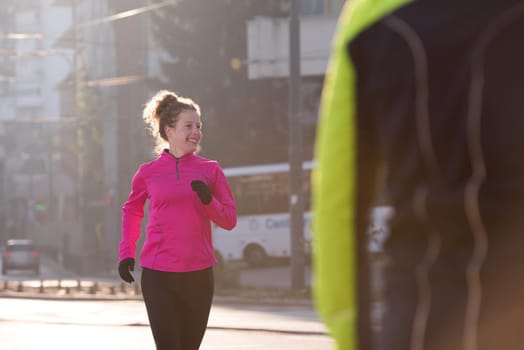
20 254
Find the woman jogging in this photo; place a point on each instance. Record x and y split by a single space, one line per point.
185 192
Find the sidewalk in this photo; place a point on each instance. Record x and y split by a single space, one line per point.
294 319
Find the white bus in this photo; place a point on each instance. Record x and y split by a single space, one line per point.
263 226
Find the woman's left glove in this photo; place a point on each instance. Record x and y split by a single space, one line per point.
203 191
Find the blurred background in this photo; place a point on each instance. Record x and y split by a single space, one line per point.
74 77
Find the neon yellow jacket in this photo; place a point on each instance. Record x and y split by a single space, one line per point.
333 187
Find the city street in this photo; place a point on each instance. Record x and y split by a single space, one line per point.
102 323
61 324
61 337
88 90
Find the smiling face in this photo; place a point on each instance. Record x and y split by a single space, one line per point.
185 136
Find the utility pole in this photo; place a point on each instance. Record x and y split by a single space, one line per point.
79 110
111 211
296 201
3 201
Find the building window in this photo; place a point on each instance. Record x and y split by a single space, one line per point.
321 7
29 112
28 91
26 5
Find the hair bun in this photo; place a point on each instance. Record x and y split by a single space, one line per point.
165 103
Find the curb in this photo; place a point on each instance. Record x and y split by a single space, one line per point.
226 300
113 290
217 299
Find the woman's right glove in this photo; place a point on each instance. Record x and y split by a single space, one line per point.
124 269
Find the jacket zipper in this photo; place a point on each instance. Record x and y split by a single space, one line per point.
176 160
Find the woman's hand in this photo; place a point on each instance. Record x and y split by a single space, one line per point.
203 191
124 269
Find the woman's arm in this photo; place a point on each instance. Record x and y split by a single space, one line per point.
222 209
132 214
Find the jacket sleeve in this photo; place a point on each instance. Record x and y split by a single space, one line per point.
334 258
132 214
334 181
222 209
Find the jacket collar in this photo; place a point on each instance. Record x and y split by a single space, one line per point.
168 155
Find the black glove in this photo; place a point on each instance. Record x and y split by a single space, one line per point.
124 268
203 191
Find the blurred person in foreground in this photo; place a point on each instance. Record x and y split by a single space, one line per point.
426 100
185 192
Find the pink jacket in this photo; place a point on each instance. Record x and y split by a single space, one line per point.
178 234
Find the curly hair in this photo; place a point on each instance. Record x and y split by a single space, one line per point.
164 110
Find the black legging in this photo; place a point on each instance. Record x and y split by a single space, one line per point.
178 305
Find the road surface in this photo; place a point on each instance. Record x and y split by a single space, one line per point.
68 324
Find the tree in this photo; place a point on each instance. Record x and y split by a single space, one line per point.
202 37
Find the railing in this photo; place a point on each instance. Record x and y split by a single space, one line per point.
70 287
